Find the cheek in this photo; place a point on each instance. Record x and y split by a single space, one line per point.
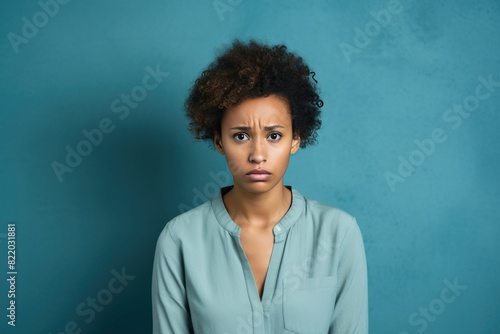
282 158
235 163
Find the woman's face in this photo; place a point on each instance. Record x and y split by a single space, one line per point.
257 140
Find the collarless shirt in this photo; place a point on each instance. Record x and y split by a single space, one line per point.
316 282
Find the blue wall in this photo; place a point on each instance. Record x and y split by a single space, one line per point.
409 145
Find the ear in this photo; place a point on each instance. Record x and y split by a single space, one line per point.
295 144
218 143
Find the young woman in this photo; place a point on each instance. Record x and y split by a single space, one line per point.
259 257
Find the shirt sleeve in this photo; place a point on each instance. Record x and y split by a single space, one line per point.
351 306
170 308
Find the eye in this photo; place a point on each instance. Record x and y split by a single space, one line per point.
240 136
275 136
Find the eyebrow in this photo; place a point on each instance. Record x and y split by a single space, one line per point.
267 128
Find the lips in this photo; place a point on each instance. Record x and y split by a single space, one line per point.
259 175
258 171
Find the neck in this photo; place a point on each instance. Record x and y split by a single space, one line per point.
258 210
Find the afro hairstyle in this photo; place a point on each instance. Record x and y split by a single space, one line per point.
249 70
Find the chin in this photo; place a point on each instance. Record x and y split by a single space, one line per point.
256 187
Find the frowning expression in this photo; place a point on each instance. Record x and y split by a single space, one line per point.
257 139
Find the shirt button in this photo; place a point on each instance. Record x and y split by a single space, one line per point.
278 228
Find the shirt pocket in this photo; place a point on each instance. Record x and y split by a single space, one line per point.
308 308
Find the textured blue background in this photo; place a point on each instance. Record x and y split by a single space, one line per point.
441 223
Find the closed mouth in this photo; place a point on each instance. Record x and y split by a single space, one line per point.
258 171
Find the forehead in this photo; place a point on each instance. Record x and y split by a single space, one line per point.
258 111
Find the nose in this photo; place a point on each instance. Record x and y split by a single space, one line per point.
258 151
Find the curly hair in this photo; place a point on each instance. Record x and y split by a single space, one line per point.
245 71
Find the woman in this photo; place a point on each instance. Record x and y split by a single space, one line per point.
259 257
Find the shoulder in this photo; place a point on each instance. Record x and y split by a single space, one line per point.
186 223
331 221
328 213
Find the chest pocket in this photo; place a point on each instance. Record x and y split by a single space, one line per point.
308 308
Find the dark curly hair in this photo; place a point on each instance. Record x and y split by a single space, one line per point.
245 71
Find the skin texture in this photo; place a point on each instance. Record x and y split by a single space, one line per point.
257 134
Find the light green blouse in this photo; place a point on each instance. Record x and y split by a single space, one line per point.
316 282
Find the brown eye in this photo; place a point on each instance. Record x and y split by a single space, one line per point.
240 136
275 136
